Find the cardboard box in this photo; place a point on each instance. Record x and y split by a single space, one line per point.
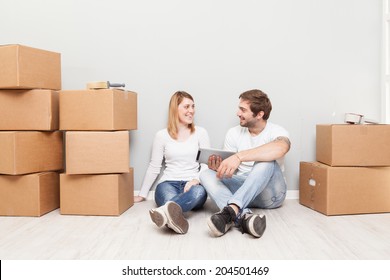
103 109
106 195
29 195
29 110
25 152
344 190
23 67
353 145
97 152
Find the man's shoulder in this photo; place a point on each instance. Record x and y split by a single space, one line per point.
276 128
237 130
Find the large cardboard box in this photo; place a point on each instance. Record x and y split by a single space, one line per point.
344 190
353 145
25 152
23 67
103 109
97 152
29 195
29 110
103 194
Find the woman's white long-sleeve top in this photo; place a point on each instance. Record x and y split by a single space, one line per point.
179 157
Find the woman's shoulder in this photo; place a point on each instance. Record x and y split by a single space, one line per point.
200 129
162 133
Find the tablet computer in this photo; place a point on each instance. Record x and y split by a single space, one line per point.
205 153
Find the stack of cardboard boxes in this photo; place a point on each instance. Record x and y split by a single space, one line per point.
30 143
352 172
97 178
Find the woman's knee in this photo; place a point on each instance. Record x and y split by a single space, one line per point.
198 192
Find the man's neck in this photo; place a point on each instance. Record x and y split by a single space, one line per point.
258 128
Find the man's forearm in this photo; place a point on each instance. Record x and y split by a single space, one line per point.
267 152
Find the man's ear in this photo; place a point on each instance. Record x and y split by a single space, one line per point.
260 115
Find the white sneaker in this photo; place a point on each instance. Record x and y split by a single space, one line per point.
158 216
170 215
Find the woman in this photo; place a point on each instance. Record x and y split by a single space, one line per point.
179 189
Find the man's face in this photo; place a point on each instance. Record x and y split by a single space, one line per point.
245 114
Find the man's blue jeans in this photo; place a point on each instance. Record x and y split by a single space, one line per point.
174 191
264 187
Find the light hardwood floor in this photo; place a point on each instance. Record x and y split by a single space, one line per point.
293 232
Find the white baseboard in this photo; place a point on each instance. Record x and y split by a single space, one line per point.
291 194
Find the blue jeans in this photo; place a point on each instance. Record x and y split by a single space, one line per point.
174 191
264 187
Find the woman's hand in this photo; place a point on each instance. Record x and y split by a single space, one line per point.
138 198
191 183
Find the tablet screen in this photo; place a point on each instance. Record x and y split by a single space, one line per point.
205 153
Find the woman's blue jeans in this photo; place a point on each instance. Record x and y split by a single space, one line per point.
264 187
193 199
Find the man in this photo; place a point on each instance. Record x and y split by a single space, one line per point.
253 176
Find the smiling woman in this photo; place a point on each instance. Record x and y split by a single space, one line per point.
181 114
179 189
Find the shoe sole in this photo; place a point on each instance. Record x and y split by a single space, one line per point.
176 220
157 218
257 226
214 230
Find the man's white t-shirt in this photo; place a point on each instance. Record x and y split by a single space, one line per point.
238 138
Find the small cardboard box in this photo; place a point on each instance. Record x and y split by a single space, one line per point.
97 152
29 110
25 152
344 190
23 67
103 109
29 195
353 145
103 194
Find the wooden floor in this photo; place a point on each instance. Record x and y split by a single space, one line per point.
293 232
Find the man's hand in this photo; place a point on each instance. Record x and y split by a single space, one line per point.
228 166
214 162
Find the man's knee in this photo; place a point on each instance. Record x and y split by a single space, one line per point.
206 175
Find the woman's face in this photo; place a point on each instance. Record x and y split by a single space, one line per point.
186 111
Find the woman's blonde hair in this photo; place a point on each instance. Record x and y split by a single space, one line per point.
173 116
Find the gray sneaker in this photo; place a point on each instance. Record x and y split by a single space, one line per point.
222 221
253 224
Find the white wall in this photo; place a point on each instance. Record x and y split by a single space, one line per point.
317 59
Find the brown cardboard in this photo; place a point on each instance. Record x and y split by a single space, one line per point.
97 152
29 110
25 152
106 195
29 195
23 67
353 145
103 109
344 190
